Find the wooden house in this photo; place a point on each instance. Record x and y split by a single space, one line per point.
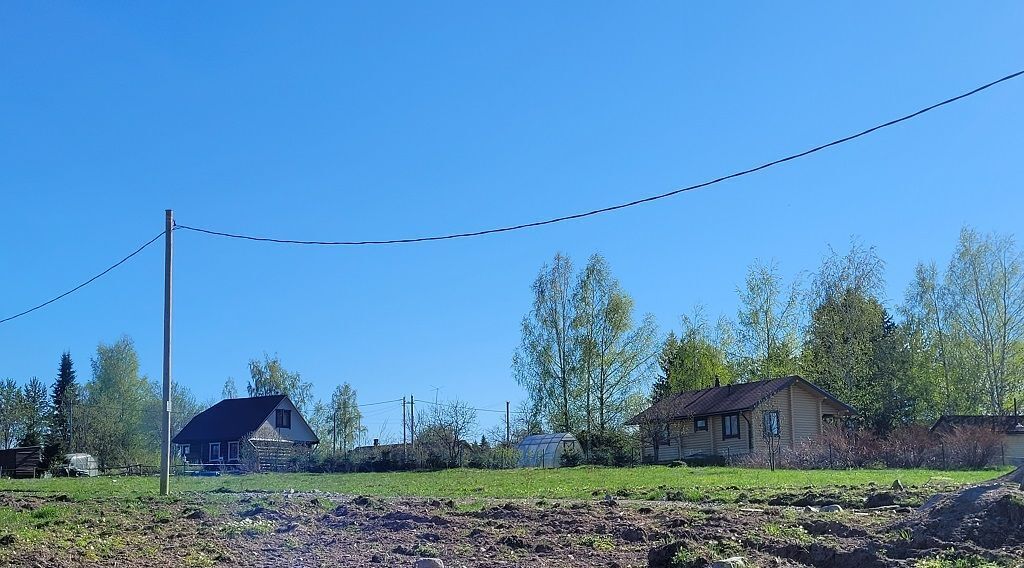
736 419
1011 428
259 433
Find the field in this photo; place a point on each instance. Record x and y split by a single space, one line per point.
655 516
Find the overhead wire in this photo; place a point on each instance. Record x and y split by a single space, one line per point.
620 205
86 283
534 223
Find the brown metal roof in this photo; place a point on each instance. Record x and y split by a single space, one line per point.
1006 424
725 399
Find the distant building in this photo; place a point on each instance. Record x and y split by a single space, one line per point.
378 451
1011 427
732 420
259 433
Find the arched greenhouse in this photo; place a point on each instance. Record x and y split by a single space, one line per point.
545 450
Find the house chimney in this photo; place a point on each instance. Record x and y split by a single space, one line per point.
376 442
718 382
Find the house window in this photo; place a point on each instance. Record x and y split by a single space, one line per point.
771 423
232 451
700 424
283 418
214 451
665 435
730 426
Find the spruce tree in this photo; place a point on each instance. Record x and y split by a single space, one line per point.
65 389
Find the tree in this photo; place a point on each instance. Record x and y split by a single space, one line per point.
10 413
347 427
662 385
33 412
445 429
839 348
768 323
229 390
269 377
985 286
547 363
121 407
698 359
966 326
63 400
615 356
942 352
583 360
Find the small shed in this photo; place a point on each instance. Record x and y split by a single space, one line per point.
545 450
21 462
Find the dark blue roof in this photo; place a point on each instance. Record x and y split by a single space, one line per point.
229 419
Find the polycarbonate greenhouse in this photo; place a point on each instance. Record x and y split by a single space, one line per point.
545 450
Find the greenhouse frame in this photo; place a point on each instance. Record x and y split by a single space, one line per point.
545 450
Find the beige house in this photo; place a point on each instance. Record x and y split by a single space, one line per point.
733 420
1012 428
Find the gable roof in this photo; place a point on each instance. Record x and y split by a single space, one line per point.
229 419
725 399
1006 424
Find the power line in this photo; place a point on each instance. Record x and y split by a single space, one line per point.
86 283
377 403
502 411
621 205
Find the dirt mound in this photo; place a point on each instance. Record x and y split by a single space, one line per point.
989 516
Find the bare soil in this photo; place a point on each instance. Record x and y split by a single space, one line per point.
979 524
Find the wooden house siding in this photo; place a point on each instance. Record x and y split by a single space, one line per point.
806 416
1013 449
800 408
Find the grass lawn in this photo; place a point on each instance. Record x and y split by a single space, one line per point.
720 484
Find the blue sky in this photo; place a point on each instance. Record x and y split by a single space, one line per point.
375 120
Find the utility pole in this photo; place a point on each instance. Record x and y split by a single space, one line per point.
405 449
412 421
334 432
508 426
165 449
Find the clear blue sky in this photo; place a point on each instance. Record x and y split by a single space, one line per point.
370 120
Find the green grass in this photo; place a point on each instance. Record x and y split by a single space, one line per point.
600 543
722 484
950 559
786 532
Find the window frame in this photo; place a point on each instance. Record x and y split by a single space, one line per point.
210 454
726 418
665 438
235 445
769 419
286 422
697 427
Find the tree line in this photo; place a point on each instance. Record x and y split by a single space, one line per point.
114 415
954 344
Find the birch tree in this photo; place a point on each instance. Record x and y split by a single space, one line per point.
547 363
985 286
768 323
